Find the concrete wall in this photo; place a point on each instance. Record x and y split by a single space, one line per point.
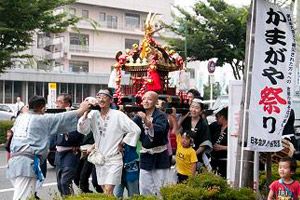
157 6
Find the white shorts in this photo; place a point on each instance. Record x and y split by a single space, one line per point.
110 173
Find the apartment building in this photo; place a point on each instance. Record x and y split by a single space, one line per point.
80 60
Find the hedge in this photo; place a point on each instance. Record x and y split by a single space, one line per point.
92 196
205 186
4 125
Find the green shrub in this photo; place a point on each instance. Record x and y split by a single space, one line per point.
206 186
140 197
90 196
4 125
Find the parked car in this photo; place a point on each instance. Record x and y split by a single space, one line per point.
7 112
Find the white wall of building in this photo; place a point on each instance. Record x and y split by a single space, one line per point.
26 80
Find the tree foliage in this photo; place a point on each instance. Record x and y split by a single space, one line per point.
20 19
214 30
216 91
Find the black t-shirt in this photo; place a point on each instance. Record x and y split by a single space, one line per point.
72 139
289 126
199 134
218 138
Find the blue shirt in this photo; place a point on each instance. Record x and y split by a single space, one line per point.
32 132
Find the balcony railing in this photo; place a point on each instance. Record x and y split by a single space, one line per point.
53 41
79 48
56 55
111 26
90 51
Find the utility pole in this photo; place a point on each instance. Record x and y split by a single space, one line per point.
244 162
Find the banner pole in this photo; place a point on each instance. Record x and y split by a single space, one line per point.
245 109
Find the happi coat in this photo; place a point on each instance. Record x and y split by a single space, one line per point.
31 133
108 133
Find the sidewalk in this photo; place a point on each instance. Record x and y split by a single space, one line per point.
2 147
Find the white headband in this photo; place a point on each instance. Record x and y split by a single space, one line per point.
105 93
196 100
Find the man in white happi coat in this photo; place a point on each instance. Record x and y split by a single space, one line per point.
110 129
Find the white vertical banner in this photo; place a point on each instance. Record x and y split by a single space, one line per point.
51 95
272 77
234 107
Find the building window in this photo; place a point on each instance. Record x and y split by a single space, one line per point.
78 97
63 88
72 12
79 66
79 39
79 42
112 21
8 92
57 89
130 42
85 14
192 73
143 24
18 89
40 40
39 88
86 91
46 89
132 21
102 16
71 90
30 89
1 91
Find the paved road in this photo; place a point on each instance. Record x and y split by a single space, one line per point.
49 189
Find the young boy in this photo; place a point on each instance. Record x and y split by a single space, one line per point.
186 158
286 187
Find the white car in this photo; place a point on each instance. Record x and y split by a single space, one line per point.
7 112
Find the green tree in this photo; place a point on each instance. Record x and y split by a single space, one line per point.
20 19
213 30
216 91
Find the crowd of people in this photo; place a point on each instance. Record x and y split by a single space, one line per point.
119 150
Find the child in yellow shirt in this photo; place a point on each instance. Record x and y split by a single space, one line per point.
186 158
